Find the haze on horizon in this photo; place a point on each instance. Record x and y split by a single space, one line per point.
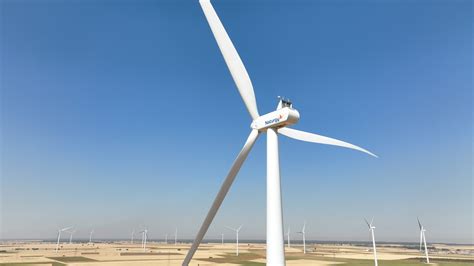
121 115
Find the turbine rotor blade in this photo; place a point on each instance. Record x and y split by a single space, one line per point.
230 228
222 193
311 137
367 222
232 58
419 224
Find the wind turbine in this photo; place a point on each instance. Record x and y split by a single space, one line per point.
133 234
176 236
59 236
372 231
272 123
166 239
70 236
144 238
303 233
288 235
423 239
222 240
90 236
236 230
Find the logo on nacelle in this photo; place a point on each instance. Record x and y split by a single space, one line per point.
271 121
274 120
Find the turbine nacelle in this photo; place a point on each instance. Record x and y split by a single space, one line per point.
282 117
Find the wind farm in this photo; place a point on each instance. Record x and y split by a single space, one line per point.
213 252
236 251
177 133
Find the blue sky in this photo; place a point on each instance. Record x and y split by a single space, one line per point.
122 114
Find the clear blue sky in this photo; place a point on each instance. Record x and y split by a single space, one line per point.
121 114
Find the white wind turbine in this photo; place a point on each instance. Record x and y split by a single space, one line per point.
236 230
288 235
423 239
272 123
303 233
90 236
176 236
144 238
133 234
166 239
70 235
59 236
222 239
372 231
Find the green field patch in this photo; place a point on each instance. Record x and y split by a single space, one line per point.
452 262
72 259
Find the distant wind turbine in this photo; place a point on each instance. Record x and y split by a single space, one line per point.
59 236
222 240
236 230
176 236
70 236
372 231
166 239
303 232
423 239
90 236
288 235
144 238
133 234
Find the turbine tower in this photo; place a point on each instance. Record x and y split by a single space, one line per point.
423 239
236 230
144 238
176 236
90 236
166 239
303 233
59 236
70 236
133 234
288 235
271 123
222 239
372 231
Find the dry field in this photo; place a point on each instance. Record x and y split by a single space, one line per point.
121 254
